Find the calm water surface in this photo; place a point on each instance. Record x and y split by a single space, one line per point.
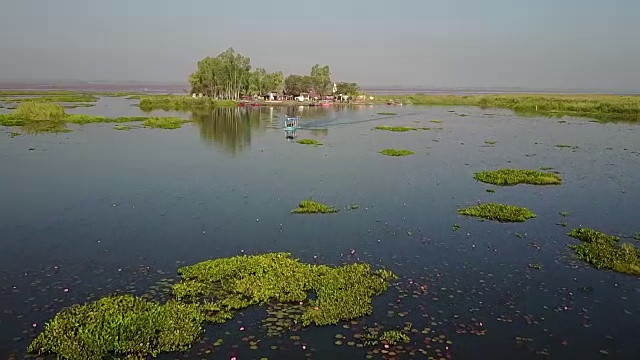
94 211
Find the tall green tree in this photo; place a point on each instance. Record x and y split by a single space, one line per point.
321 79
224 76
345 88
297 84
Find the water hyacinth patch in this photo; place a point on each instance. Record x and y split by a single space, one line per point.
395 128
498 212
168 123
396 152
229 284
127 326
122 325
309 142
314 207
603 252
510 177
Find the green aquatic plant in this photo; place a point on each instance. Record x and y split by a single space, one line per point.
396 152
387 113
122 127
120 325
180 102
490 190
393 337
82 119
601 107
313 207
395 128
636 236
169 122
490 142
309 142
436 121
510 177
499 212
10 120
230 284
603 252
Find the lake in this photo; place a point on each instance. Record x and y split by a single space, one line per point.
93 211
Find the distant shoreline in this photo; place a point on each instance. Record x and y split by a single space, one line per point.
176 88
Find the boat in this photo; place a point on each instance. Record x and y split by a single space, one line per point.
291 123
326 103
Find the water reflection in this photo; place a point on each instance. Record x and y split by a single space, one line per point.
232 128
229 128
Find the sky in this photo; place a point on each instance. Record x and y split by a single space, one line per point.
563 44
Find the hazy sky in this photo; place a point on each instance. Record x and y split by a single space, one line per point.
525 43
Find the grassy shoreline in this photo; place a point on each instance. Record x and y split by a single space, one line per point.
38 117
600 107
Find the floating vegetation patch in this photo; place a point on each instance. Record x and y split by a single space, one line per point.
490 190
309 142
394 337
180 102
295 294
563 213
313 207
168 123
122 325
436 121
490 142
395 128
82 119
230 284
387 113
603 252
546 168
636 236
499 212
396 152
510 177
122 127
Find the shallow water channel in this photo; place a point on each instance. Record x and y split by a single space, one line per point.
93 211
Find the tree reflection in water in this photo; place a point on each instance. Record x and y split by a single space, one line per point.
229 128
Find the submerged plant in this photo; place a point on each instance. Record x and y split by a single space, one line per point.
602 252
309 142
499 212
395 128
510 177
396 152
313 207
122 325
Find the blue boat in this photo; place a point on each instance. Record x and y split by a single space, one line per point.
291 123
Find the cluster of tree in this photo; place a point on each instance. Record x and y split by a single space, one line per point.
229 75
318 81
